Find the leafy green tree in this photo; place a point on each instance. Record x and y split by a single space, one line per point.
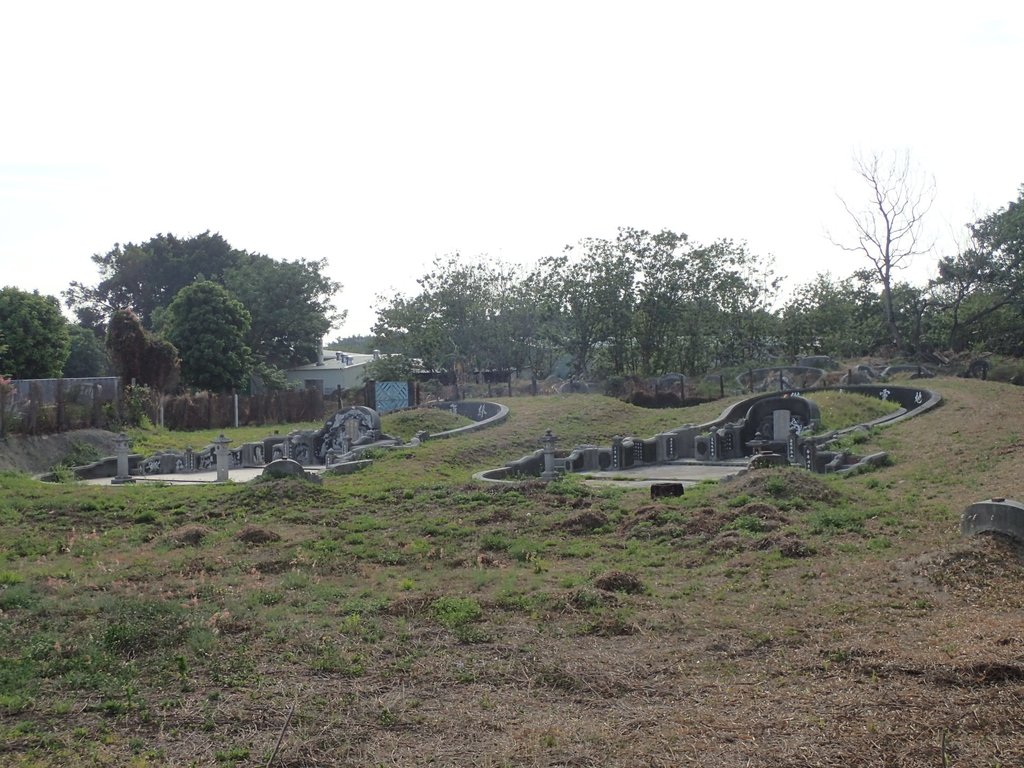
467 316
663 285
290 303
533 320
362 344
390 368
34 334
209 327
146 277
88 356
588 293
697 305
511 319
828 316
291 306
445 323
982 286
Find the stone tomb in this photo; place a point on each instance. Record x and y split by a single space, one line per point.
775 417
345 431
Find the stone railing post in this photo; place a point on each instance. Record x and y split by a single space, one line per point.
121 447
616 452
548 441
223 458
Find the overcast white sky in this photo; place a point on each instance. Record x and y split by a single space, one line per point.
380 135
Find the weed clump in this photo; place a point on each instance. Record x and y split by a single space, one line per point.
584 522
620 581
585 599
190 535
254 534
792 546
706 521
455 612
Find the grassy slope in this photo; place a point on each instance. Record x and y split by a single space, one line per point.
409 614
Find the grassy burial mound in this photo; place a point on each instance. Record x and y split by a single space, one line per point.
405 615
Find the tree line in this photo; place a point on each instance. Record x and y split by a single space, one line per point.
191 311
197 313
650 303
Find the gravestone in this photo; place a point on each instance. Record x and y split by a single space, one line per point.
763 417
997 515
780 423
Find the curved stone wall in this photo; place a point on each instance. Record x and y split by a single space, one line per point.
727 438
483 413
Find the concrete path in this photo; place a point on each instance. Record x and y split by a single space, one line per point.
687 473
237 475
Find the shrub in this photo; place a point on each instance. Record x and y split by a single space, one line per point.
455 612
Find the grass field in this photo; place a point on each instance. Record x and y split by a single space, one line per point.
406 615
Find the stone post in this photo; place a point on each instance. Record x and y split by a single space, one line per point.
810 456
616 452
792 444
121 446
548 441
223 458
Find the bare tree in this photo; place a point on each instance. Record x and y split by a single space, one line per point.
888 227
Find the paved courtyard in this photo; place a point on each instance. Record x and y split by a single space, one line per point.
687 473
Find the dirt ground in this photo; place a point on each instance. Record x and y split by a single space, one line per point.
38 454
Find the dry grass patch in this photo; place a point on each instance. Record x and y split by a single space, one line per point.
189 535
619 581
254 534
584 522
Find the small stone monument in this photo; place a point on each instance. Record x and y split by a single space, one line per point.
223 458
548 441
123 475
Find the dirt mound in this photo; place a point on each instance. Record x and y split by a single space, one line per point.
757 517
796 486
584 522
619 581
707 521
39 454
253 534
269 492
988 568
189 535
